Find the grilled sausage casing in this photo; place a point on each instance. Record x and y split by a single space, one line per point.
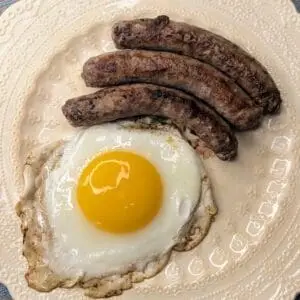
177 71
110 104
163 34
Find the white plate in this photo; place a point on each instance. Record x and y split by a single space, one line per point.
252 250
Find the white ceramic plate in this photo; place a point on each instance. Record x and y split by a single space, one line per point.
253 249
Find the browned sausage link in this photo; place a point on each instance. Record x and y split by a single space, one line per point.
110 104
163 34
173 70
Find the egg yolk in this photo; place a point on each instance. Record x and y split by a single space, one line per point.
120 191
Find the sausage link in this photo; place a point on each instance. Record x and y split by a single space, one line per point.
176 71
163 34
124 101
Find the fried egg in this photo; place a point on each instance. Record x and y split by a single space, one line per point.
113 201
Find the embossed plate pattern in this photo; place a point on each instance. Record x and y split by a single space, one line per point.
253 249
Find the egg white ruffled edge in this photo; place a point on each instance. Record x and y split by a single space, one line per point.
37 233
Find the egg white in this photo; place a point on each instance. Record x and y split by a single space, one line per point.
81 248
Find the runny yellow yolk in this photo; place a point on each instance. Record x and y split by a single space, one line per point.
120 191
